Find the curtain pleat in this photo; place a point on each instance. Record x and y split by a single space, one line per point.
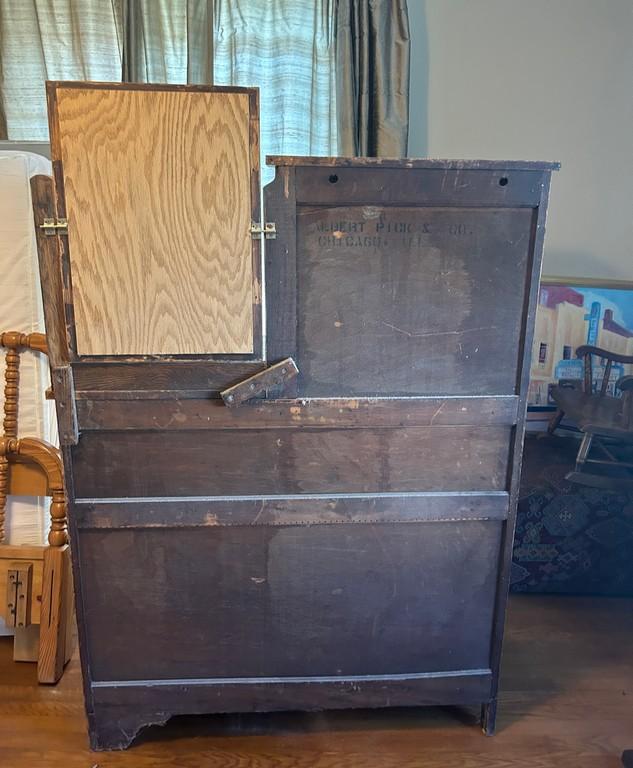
372 77
167 42
53 40
333 74
286 48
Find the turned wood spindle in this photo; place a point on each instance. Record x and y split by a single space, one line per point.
13 341
10 423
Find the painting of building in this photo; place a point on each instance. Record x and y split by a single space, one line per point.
569 316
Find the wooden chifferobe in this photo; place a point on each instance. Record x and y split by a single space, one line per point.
337 538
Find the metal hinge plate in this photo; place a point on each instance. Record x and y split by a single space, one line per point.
55 226
269 230
19 586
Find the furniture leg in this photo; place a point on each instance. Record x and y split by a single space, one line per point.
583 451
489 717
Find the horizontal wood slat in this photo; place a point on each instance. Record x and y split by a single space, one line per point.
282 461
289 510
431 186
123 380
315 412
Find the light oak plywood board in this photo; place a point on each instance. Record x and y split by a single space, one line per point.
157 188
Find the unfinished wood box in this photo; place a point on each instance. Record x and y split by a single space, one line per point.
343 538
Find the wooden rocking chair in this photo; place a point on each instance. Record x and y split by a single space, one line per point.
35 581
605 421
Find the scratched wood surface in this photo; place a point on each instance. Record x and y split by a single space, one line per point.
270 583
158 199
310 460
445 287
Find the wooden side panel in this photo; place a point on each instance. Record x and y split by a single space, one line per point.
410 300
276 602
57 611
157 190
278 461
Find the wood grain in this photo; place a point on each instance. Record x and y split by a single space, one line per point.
158 199
446 290
287 461
275 602
57 611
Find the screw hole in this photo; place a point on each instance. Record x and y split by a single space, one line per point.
503 181
333 178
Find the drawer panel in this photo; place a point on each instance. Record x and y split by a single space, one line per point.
281 461
266 602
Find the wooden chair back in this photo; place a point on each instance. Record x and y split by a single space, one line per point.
28 466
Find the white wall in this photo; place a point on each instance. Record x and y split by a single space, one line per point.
537 80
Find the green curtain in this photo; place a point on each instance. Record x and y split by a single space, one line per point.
167 42
372 70
333 74
52 40
287 48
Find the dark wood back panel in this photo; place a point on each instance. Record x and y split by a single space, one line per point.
273 461
253 602
445 287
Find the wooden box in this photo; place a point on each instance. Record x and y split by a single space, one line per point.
343 541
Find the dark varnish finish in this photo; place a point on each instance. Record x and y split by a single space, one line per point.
345 543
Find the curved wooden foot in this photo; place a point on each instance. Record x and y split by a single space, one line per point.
116 728
489 717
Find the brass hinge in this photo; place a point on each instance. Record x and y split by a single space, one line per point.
269 230
55 226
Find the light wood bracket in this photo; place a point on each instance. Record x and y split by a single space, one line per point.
274 376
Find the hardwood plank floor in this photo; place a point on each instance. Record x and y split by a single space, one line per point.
566 700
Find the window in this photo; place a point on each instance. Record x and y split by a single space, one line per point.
286 47
566 352
542 353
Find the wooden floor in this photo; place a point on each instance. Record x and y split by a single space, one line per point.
567 700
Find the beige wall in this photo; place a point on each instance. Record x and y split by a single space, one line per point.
537 80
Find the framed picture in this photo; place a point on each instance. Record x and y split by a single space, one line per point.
572 312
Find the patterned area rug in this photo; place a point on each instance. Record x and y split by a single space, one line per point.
569 538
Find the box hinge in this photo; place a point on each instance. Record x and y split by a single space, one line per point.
269 230
55 226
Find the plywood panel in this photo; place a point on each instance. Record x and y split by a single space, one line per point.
157 186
